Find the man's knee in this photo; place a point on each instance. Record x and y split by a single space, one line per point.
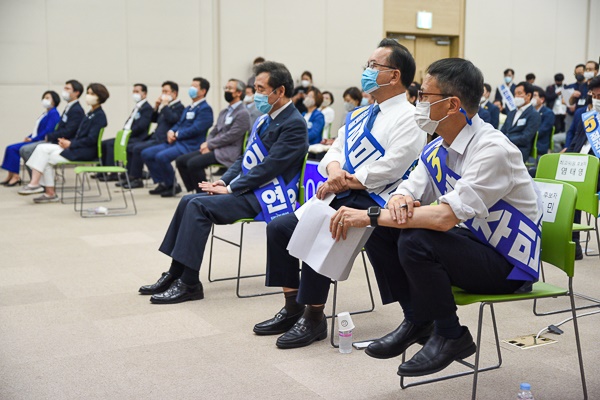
181 162
412 241
282 227
164 157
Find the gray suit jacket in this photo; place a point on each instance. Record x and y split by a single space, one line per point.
227 137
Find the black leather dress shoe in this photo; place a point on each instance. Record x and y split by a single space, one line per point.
108 178
396 342
303 333
158 189
178 293
169 192
280 323
162 284
437 354
134 184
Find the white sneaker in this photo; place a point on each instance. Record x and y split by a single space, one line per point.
46 199
26 190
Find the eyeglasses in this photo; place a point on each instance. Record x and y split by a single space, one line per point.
421 93
371 64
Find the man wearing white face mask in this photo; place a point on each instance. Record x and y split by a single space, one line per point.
250 106
522 123
138 123
422 250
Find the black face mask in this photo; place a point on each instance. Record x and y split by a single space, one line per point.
579 77
228 97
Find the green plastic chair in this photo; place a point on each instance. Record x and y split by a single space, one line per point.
557 250
552 140
217 165
120 153
240 245
534 153
587 196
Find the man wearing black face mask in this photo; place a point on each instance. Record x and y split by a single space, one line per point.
577 100
224 142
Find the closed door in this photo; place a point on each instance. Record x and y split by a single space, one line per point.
425 50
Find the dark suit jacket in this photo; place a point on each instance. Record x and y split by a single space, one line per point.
141 123
574 126
191 132
498 96
545 130
227 139
286 139
494 113
165 119
69 122
484 115
551 95
84 146
522 134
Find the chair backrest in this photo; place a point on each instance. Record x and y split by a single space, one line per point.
558 248
121 141
534 153
552 140
100 134
326 134
301 188
587 196
245 143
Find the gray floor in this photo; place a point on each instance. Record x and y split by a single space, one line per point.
72 325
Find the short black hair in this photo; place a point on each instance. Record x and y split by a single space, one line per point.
141 85
204 84
593 84
595 64
541 92
461 78
99 90
330 95
354 93
174 87
251 88
580 66
415 84
412 91
258 60
279 75
76 85
530 76
307 73
54 95
401 59
487 87
527 87
559 77
507 70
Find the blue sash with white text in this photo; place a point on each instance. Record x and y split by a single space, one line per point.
275 197
516 237
361 148
507 96
592 130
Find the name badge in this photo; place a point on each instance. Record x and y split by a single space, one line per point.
521 122
190 115
581 102
228 120
137 116
65 118
309 125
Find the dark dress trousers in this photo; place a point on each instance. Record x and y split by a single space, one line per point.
139 132
286 141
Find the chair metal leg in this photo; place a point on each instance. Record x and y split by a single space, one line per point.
577 339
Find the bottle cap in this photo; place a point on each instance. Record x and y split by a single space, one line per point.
345 321
525 386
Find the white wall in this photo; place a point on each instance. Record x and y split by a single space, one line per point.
540 36
43 43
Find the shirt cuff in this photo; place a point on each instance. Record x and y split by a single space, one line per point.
361 176
462 211
229 189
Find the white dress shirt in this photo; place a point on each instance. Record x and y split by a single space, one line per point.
397 132
520 112
491 169
129 122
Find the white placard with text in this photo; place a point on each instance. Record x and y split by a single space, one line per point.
571 168
551 193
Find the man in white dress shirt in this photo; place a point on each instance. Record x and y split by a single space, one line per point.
372 153
420 251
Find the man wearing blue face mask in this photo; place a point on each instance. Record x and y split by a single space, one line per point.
184 137
262 184
422 250
509 76
371 155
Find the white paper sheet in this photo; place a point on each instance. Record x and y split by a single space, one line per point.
313 244
327 200
566 95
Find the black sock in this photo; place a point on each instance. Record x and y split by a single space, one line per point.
314 313
448 327
291 305
176 268
190 276
409 315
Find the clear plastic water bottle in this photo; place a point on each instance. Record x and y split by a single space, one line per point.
525 392
346 326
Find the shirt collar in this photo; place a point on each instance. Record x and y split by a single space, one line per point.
276 113
197 103
140 103
522 109
173 102
392 103
235 105
464 137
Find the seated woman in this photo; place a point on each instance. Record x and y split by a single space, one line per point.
84 147
328 113
313 116
43 126
352 99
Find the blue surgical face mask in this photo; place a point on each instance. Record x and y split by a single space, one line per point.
364 102
369 80
193 92
508 79
261 101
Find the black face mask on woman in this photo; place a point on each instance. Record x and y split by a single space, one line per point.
228 97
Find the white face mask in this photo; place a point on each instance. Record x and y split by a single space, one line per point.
534 102
349 106
66 96
166 97
519 101
422 112
305 83
596 103
91 99
326 103
588 75
308 102
47 104
482 100
248 99
136 97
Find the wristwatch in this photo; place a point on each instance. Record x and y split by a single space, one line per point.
373 213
